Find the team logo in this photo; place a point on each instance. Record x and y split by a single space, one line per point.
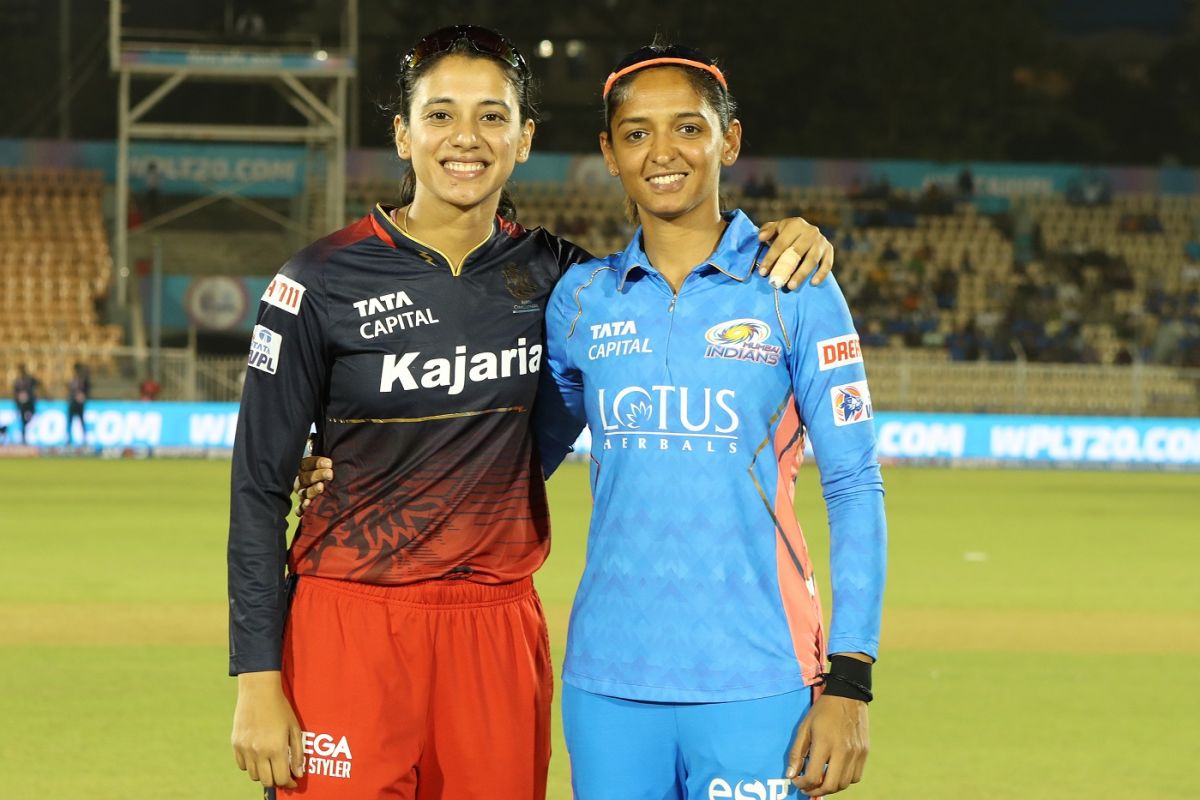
772 789
839 351
521 286
851 403
742 340
518 282
738 331
216 302
265 345
283 292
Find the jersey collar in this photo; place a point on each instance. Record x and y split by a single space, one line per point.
735 257
386 229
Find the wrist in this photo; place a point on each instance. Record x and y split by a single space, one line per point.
850 677
266 681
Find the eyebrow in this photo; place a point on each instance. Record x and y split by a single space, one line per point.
644 120
433 101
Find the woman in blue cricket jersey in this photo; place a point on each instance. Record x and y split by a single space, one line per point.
696 643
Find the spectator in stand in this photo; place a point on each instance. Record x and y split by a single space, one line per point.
133 219
1190 272
1167 343
889 252
752 188
881 189
964 343
149 389
935 200
920 257
769 190
25 389
945 288
965 266
966 184
78 391
153 185
1096 190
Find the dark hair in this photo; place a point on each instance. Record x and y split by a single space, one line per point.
407 82
716 96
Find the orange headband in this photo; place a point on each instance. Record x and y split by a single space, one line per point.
654 62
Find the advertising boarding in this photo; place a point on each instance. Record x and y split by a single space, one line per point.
1038 441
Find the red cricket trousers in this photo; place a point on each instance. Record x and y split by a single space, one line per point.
434 690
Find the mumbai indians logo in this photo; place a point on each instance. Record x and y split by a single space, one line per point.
742 340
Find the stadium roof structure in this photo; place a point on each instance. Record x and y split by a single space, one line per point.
312 80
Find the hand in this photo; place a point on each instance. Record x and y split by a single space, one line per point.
266 737
314 471
798 249
834 737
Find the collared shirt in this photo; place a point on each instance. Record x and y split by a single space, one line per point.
420 376
698 585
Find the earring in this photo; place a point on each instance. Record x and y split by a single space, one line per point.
613 172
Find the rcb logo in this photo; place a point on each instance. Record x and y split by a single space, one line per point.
518 282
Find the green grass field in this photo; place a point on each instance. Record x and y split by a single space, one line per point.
1041 638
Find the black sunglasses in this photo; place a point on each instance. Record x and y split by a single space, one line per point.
483 41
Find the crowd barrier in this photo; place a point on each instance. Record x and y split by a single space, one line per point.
903 437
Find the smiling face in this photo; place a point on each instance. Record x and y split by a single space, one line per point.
666 143
464 133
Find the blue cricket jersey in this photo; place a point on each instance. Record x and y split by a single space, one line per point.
698 585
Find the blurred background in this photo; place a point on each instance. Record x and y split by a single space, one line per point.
1013 188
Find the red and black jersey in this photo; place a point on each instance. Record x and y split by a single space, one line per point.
420 377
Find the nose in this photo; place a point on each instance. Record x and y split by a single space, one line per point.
662 150
465 134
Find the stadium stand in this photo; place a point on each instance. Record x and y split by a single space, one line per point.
55 268
1096 301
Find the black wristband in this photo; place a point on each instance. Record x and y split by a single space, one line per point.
849 677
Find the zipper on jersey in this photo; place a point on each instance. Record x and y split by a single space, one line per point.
671 318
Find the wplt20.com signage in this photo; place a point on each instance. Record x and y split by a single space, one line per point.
902 437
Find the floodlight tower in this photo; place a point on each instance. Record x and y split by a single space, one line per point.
312 79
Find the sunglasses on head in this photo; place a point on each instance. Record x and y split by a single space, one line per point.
663 56
483 41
